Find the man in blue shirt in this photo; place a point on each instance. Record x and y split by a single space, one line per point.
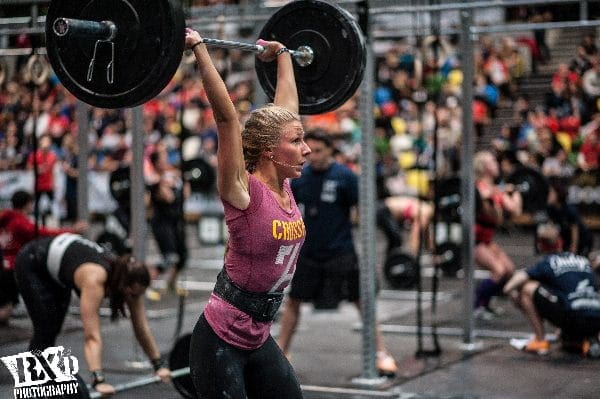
326 193
561 289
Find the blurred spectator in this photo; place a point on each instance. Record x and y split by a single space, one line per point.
590 84
558 165
589 44
589 153
541 16
69 163
581 62
576 237
505 140
167 193
46 159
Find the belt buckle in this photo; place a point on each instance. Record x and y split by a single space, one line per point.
268 307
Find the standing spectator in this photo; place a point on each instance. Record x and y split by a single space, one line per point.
17 230
166 196
562 289
491 204
576 237
326 192
69 167
540 16
46 159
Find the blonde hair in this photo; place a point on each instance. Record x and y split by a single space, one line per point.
263 131
480 160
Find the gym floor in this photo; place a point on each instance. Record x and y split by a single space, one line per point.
327 351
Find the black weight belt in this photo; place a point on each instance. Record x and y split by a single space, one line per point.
260 306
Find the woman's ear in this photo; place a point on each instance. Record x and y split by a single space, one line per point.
268 153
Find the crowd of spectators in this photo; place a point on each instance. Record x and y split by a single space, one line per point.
417 113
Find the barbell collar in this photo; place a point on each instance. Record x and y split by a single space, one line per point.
104 30
304 55
143 382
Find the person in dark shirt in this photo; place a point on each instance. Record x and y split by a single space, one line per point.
16 230
326 193
576 237
561 289
48 269
167 193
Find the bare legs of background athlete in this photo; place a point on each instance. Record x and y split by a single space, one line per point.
386 365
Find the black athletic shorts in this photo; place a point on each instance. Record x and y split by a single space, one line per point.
550 307
336 278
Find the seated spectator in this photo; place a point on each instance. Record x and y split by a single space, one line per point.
505 140
590 83
589 44
561 289
487 92
581 62
589 152
558 165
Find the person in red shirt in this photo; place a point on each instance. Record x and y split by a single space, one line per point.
16 230
46 159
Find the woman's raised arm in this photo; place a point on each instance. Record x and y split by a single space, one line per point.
232 180
286 92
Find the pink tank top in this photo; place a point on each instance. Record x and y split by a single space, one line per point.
264 242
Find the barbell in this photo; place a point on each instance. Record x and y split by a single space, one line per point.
118 53
180 375
175 376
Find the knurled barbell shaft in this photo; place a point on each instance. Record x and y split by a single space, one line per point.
143 382
107 30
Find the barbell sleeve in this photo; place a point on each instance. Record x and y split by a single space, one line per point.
103 30
142 382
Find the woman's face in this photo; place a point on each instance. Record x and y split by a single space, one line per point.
320 154
552 197
290 154
492 166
